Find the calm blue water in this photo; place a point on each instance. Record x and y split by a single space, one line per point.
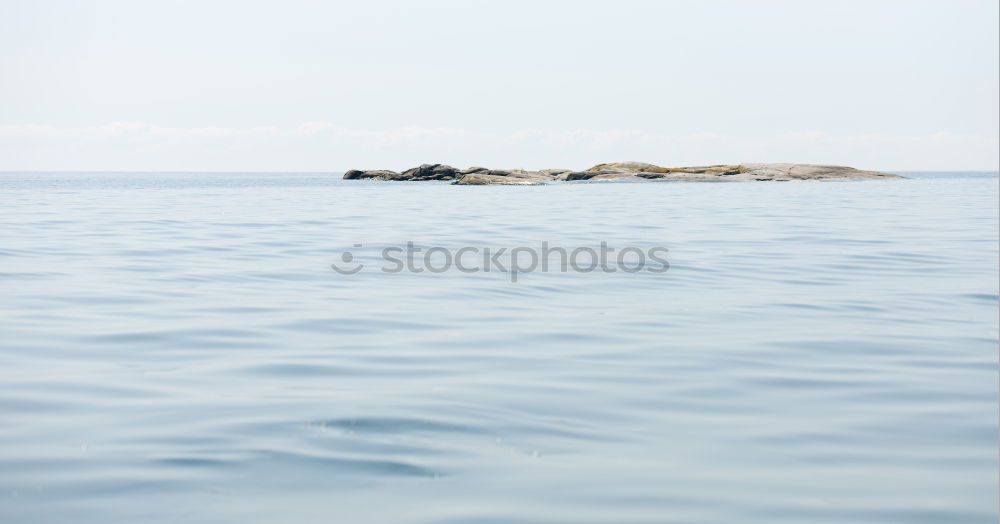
175 347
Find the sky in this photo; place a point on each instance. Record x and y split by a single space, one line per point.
328 86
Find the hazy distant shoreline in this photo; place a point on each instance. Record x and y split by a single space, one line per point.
637 171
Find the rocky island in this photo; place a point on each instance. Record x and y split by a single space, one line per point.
637 171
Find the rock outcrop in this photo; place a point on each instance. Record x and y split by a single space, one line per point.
372 174
424 172
485 179
636 171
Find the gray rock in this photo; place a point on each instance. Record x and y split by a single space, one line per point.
600 174
430 172
479 179
805 172
632 167
637 171
373 174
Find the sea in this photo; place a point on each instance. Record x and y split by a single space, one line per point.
232 348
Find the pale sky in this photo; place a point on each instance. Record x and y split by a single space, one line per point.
328 86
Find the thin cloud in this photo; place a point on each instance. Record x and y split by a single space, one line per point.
326 146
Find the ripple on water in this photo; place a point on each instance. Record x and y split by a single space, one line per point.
816 352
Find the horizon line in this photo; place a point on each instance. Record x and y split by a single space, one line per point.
318 172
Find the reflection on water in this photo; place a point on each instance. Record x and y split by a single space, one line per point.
176 347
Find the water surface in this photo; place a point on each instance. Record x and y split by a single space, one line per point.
175 347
